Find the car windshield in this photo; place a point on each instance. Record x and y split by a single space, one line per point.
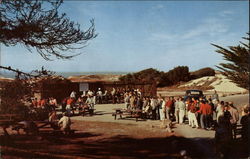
194 92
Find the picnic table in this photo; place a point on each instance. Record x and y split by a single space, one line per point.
127 113
82 109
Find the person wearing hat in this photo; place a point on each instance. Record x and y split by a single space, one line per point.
99 96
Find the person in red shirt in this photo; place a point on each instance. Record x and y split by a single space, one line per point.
205 111
69 105
34 102
192 117
43 102
169 104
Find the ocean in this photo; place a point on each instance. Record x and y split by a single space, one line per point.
9 74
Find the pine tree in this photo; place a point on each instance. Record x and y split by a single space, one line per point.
39 24
237 70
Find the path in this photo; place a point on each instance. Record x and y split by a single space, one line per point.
104 114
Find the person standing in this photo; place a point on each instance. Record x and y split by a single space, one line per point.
139 103
215 96
90 102
132 101
69 105
176 110
99 96
245 120
234 113
153 103
162 109
223 137
113 93
219 110
126 100
64 103
144 107
235 117
159 102
168 106
205 110
192 117
182 109
211 119
105 97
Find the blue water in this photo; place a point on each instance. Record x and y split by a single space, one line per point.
67 74
9 74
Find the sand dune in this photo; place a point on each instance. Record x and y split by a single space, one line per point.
218 82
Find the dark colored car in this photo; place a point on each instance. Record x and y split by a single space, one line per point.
196 94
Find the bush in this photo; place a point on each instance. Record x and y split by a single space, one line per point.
202 72
147 76
13 94
174 76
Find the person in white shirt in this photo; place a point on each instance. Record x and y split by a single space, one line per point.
73 94
176 110
219 110
182 108
90 102
99 96
66 123
90 93
162 109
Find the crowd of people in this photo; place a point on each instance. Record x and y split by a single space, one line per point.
200 113
207 113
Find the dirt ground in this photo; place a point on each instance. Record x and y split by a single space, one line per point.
100 136
107 140
99 140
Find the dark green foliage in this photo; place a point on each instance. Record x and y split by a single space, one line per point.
202 72
13 94
176 75
147 76
237 70
180 73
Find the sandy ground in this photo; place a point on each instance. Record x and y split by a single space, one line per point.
219 82
100 136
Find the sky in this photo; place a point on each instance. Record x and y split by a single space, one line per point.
136 35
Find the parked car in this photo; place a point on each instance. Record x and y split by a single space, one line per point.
196 94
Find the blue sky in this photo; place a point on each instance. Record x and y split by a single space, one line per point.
135 35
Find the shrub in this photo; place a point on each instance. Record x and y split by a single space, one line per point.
202 72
